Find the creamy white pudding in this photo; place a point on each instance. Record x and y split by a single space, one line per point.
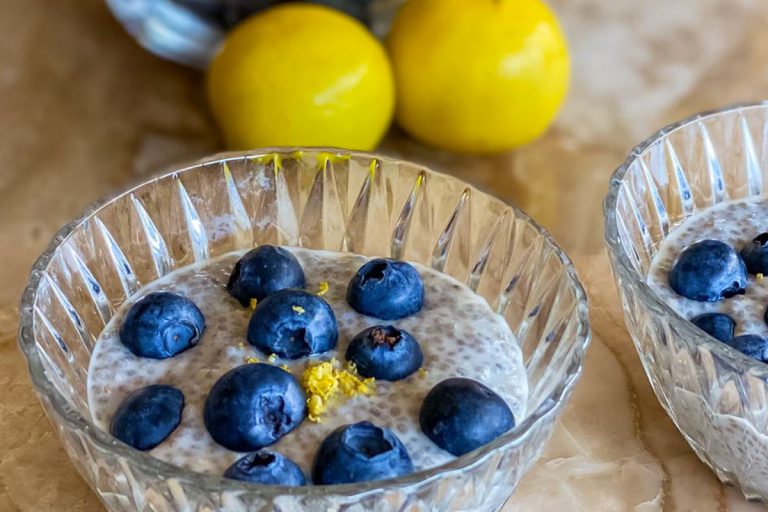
459 335
735 223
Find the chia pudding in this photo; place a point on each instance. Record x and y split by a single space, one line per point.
736 224
715 415
460 336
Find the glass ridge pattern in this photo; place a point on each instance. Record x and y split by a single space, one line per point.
714 394
320 199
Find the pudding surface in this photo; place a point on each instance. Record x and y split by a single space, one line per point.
459 335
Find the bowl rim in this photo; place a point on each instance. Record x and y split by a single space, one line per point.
629 277
103 440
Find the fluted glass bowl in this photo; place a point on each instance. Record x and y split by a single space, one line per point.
715 395
319 199
190 32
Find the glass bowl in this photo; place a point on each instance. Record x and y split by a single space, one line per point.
320 199
714 394
190 32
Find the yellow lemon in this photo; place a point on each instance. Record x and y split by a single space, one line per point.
301 75
477 76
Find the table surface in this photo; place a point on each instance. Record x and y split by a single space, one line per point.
84 111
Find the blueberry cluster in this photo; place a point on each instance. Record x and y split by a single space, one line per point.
711 271
255 405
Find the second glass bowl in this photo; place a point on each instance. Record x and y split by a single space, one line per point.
716 396
190 32
319 199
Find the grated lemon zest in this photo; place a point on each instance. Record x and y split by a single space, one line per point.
759 276
315 408
325 384
298 309
285 367
253 303
251 359
241 345
272 358
423 373
323 288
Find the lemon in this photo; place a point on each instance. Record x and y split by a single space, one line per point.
477 76
301 75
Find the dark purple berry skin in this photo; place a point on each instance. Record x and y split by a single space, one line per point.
148 416
751 345
708 271
386 289
253 406
268 468
755 255
293 324
264 271
460 415
162 325
385 352
717 325
360 452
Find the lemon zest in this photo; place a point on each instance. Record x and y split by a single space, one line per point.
324 287
423 373
298 309
253 303
241 345
326 384
272 358
285 367
759 276
251 359
315 407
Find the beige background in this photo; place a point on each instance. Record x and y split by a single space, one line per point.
84 111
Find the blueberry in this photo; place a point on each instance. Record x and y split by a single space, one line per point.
264 271
708 271
267 468
386 289
717 325
162 325
253 406
384 352
148 416
751 345
755 255
459 415
293 324
359 453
